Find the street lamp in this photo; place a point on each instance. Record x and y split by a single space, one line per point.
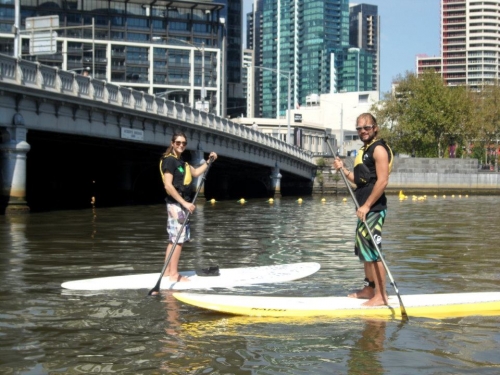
288 75
353 49
202 50
341 128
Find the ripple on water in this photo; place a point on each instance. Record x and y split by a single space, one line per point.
437 246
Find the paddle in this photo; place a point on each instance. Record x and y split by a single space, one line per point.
167 261
403 309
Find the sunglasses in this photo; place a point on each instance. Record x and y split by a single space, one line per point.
365 128
180 143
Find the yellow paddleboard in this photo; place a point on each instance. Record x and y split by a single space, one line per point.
418 305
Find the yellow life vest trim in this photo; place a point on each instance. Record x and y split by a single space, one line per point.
359 157
187 176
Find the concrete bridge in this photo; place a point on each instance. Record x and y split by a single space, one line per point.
70 138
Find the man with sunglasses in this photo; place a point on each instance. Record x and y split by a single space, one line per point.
177 176
370 175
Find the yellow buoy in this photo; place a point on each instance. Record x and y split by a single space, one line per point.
323 200
242 200
212 201
271 200
299 200
344 200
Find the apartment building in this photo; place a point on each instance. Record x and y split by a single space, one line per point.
470 43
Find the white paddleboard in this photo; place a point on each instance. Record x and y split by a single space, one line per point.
229 277
418 305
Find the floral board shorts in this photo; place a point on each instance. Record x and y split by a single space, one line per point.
364 247
176 217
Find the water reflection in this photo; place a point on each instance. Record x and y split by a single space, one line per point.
364 356
438 245
17 246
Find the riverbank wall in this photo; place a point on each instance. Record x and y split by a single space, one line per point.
422 176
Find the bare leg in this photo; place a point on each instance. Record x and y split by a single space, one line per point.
367 292
172 267
377 270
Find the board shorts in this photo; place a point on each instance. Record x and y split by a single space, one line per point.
364 247
176 217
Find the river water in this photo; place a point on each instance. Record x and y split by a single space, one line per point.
440 244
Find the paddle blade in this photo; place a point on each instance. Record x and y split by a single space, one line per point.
156 290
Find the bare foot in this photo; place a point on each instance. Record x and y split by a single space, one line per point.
178 278
378 300
366 293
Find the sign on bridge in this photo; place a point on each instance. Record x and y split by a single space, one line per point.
42 42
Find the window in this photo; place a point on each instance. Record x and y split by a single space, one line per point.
363 99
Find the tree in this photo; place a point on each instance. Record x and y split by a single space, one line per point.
424 115
488 131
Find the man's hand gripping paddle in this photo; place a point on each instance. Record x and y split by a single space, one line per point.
403 309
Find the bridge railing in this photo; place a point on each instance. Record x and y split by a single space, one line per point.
32 74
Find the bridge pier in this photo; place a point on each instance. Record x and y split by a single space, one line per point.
13 173
276 182
13 151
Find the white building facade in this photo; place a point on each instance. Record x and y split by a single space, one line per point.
328 115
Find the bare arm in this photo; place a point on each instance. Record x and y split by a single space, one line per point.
195 172
339 164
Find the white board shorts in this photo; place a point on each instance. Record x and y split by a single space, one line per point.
176 217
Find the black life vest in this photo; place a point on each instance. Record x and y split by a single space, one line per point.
364 163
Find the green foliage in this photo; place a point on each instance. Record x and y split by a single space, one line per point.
320 162
336 176
319 177
424 116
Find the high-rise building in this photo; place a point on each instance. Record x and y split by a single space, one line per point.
172 48
248 82
233 44
364 33
470 47
253 70
301 49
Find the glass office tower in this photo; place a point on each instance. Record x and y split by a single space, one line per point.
233 34
364 33
168 47
305 50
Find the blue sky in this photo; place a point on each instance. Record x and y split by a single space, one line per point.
408 28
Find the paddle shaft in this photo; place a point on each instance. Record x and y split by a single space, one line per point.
348 185
174 245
